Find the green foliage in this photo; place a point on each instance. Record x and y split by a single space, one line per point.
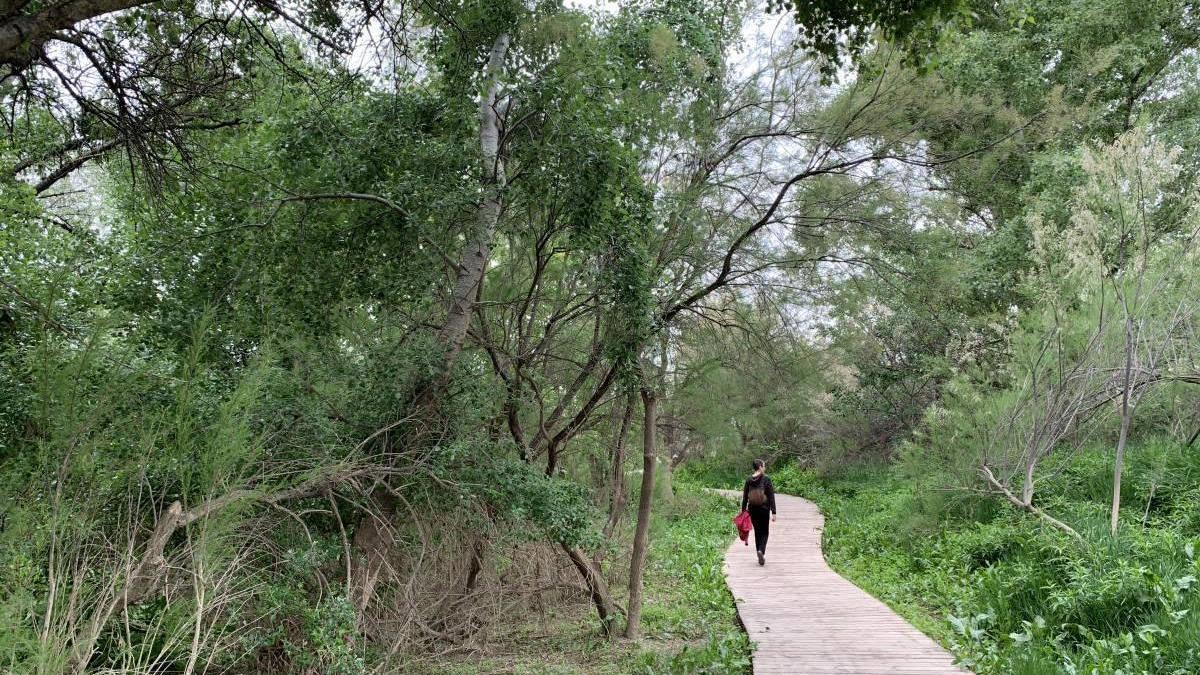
557 510
272 306
1062 73
318 636
246 243
270 311
729 653
752 394
611 212
829 27
713 473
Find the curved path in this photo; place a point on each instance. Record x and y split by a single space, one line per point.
808 620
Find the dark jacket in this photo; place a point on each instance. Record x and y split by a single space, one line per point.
768 488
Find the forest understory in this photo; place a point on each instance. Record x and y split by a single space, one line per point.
690 620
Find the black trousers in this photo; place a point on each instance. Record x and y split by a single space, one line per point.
761 518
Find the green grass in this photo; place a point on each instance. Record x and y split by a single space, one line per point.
687 599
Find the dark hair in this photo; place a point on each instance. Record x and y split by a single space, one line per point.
759 464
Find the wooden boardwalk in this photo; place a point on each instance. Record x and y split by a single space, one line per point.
808 620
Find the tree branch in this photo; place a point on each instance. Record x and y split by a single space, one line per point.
1027 507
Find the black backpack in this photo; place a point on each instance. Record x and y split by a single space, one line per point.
757 496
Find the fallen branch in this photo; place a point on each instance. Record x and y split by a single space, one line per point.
145 578
999 487
597 588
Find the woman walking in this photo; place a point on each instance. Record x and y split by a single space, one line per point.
758 497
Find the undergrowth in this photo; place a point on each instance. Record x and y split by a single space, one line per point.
686 594
689 622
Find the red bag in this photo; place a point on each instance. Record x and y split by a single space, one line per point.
742 521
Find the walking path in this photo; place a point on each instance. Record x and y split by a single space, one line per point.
807 620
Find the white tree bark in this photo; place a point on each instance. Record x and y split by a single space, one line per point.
475 254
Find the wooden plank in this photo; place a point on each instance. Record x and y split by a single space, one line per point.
806 619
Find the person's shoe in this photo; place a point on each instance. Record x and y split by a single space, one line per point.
761 559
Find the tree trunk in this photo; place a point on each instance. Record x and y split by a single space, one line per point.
474 257
638 558
1119 462
597 588
23 36
616 505
1126 422
1027 483
369 548
371 541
